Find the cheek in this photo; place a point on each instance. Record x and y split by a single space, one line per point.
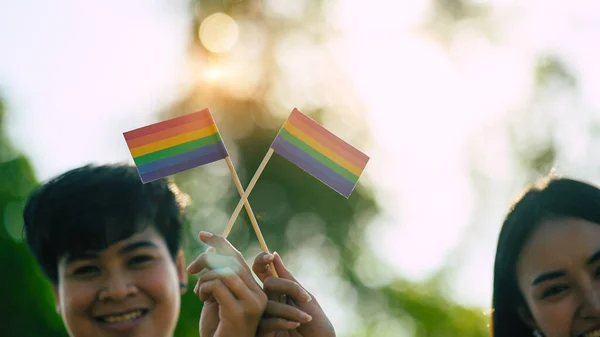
77 297
554 318
162 285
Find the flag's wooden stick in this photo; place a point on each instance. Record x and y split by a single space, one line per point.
244 197
240 189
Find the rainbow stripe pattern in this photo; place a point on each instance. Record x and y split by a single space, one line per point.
319 152
175 145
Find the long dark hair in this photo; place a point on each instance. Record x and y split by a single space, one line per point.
558 198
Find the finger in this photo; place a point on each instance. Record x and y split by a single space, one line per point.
281 269
220 244
224 247
205 276
220 292
282 286
212 261
215 274
269 325
287 312
231 280
203 296
261 266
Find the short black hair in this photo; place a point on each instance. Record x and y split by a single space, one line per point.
557 198
94 206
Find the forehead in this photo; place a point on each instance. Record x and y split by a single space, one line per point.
559 244
149 234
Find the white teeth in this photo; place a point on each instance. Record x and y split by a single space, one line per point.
595 333
123 318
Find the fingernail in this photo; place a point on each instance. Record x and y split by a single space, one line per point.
205 235
268 258
293 325
305 297
196 289
211 249
306 317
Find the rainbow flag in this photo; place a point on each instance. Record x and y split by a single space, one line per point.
175 145
319 152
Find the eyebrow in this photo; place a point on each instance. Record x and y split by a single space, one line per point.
149 244
548 276
594 258
90 255
560 273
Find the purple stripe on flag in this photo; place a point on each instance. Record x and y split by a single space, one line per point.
312 166
200 158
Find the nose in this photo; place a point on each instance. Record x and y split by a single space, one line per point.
117 288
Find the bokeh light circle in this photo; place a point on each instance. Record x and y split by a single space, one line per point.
219 32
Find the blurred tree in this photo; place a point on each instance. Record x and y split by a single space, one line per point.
27 295
294 209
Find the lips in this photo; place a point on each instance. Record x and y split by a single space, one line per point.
122 317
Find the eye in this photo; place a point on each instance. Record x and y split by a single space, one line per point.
140 259
554 291
85 270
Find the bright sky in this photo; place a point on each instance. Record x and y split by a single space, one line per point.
103 66
426 106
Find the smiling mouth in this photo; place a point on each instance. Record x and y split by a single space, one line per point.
123 318
595 333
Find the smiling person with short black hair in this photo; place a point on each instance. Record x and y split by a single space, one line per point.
111 246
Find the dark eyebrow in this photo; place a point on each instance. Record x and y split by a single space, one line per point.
91 255
137 245
548 276
594 258
88 255
558 273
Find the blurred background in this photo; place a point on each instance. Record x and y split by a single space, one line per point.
459 103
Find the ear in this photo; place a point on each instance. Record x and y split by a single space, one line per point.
181 274
526 317
56 298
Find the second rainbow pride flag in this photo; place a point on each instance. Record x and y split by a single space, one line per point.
175 145
319 152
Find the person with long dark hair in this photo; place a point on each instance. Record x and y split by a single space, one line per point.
547 266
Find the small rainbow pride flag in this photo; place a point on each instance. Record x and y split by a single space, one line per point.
319 152
175 145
